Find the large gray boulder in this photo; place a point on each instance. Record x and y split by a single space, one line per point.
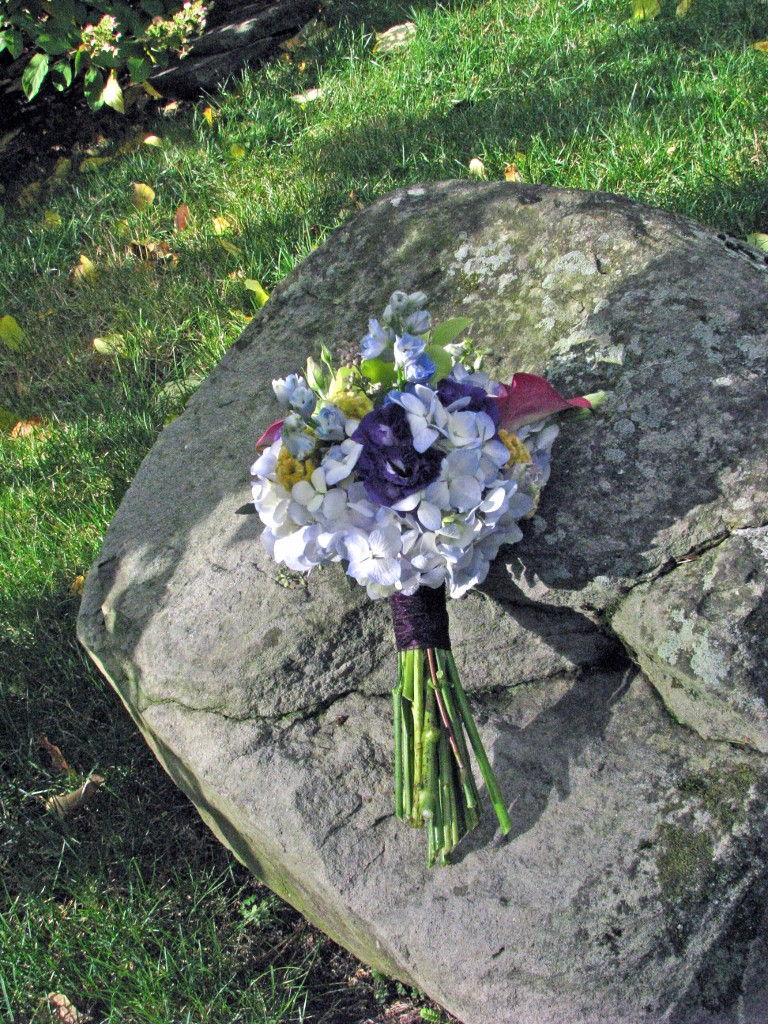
617 657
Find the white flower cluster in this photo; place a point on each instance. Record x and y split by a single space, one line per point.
329 488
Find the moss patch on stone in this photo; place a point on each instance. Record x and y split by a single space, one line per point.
723 794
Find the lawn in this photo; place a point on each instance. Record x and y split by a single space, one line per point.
129 908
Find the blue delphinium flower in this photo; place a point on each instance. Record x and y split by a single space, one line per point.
329 423
419 370
376 342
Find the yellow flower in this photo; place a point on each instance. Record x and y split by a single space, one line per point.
354 404
290 471
518 453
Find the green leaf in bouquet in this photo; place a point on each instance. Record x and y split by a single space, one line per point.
441 359
326 357
449 330
317 379
379 372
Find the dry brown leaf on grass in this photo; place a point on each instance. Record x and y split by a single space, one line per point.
307 97
78 583
512 172
55 755
66 804
32 427
61 1010
151 252
181 217
394 38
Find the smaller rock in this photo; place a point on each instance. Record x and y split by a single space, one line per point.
698 634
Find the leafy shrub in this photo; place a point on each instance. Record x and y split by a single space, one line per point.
96 40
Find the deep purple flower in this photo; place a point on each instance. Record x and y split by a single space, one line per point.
389 465
450 391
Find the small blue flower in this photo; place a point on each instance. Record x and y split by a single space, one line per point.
303 401
419 370
284 387
408 348
329 423
418 322
376 340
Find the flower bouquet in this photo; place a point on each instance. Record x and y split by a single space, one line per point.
413 470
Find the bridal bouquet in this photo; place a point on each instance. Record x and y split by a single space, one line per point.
412 470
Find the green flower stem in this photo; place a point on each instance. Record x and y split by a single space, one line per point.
407 761
471 796
397 701
417 670
477 745
448 811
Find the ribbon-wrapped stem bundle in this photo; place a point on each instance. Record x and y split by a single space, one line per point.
434 784
411 470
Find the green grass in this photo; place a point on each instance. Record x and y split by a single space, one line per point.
131 908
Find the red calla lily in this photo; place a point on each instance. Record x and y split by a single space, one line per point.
270 435
530 398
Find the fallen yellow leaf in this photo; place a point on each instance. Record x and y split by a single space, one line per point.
143 196
30 194
477 168
236 151
85 271
92 162
230 247
683 8
643 10
221 225
762 46
109 345
11 335
209 114
259 295
78 585
51 220
154 140
61 169
150 90
759 240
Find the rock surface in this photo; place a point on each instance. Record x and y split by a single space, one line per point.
237 33
617 657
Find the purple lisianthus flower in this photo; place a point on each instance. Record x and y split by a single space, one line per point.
389 465
450 391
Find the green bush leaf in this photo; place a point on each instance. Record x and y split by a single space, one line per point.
53 44
12 41
113 94
449 330
34 75
61 75
138 69
93 87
